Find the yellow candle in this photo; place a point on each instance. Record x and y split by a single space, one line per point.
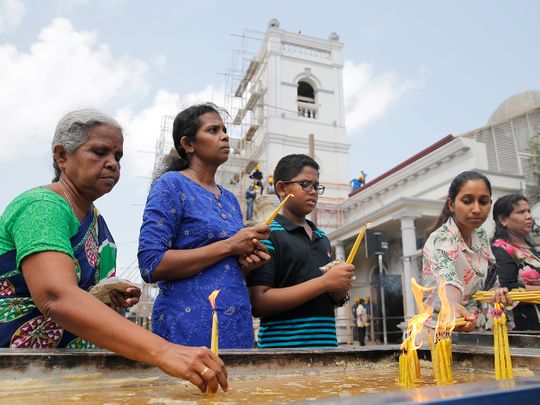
508 359
214 343
276 211
214 340
356 245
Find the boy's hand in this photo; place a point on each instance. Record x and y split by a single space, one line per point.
338 278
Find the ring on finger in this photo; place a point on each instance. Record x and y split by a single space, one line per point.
206 369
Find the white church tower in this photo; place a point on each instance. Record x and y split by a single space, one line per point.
289 99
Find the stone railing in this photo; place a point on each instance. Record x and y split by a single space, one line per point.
307 110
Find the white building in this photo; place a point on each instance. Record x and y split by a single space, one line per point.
406 200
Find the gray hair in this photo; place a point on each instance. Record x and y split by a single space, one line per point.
72 130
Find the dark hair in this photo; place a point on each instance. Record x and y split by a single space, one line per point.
186 123
453 191
290 165
504 207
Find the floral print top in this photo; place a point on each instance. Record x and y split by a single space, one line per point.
448 258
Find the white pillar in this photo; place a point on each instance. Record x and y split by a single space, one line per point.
340 251
408 239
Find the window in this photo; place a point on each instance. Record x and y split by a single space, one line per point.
306 100
306 93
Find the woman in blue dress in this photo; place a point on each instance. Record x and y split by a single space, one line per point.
193 240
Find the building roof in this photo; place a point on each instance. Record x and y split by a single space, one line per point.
515 105
405 163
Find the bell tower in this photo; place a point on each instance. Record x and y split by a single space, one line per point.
289 99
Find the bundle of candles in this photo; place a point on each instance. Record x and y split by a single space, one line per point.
440 341
501 348
441 357
409 367
521 295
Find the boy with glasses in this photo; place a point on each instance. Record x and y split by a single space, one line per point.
296 291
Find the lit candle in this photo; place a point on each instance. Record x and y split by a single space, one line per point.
214 341
356 245
276 211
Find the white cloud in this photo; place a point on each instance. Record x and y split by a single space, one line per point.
68 5
369 95
11 14
64 69
142 128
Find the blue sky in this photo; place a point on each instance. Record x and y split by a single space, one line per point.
415 71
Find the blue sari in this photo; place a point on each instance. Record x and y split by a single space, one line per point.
22 325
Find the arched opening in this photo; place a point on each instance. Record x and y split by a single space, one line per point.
306 93
305 97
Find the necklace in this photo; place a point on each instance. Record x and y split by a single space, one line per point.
196 178
66 195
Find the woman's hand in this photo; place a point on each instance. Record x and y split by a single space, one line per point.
241 244
196 364
500 296
125 299
461 312
254 260
338 278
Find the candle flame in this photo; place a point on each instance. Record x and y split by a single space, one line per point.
416 323
409 367
446 321
212 298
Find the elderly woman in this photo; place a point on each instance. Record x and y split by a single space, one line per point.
193 240
518 262
54 246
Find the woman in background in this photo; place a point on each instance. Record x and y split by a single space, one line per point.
518 262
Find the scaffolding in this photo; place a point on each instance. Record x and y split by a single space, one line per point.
244 96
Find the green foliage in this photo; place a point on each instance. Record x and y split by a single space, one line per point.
534 161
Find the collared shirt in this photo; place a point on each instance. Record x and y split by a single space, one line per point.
447 257
361 316
295 258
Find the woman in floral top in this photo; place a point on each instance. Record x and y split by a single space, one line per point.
457 251
518 262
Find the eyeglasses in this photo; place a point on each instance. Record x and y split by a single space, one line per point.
308 186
